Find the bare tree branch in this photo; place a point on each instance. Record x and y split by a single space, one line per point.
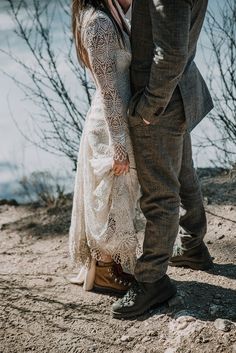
59 122
221 33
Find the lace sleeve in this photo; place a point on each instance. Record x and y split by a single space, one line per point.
100 41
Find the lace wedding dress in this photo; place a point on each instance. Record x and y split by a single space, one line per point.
105 214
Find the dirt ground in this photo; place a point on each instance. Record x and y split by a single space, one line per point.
41 312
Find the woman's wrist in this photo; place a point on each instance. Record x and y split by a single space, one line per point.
120 153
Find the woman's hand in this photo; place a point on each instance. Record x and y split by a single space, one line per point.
120 168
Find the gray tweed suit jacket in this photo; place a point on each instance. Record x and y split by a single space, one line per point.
164 40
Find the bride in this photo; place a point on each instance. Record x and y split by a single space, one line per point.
104 238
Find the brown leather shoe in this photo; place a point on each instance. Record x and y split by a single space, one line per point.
197 258
110 278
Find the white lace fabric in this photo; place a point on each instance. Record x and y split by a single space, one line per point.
105 207
101 42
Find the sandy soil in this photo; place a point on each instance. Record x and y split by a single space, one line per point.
41 312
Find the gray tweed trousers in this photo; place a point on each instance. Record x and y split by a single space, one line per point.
163 154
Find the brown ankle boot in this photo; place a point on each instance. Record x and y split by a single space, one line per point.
109 280
126 276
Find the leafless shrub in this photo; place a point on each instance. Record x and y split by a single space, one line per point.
221 33
59 122
42 187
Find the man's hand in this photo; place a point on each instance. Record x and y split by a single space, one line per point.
120 168
146 122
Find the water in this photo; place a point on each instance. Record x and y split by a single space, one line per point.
19 157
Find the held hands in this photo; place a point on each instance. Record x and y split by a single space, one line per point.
121 168
120 158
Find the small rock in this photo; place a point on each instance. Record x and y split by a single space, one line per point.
209 242
146 339
219 224
217 301
176 301
158 316
93 348
126 338
214 309
223 325
152 333
183 322
186 319
202 339
182 325
184 314
170 350
49 279
221 237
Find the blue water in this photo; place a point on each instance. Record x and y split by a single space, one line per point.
18 157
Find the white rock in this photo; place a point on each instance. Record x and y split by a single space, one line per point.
93 348
152 333
223 325
214 309
170 350
159 316
186 318
184 314
146 339
182 325
126 338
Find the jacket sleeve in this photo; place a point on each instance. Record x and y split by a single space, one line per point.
100 41
171 20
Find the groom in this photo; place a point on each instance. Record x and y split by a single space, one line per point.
170 98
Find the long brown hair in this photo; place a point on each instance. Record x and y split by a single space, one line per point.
78 6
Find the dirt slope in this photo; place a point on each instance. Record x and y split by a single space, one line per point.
41 312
